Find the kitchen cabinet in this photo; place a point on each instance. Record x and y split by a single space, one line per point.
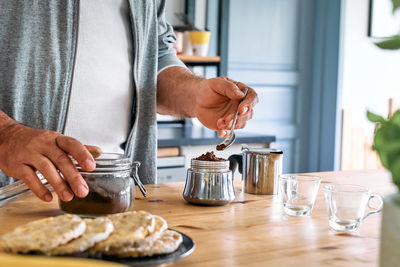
193 61
216 21
192 142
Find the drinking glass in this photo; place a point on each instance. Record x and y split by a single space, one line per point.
298 193
347 205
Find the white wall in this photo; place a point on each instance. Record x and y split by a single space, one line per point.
370 75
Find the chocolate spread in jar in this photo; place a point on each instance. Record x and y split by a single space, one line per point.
209 156
95 204
106 196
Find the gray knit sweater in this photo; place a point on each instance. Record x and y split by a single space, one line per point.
37 52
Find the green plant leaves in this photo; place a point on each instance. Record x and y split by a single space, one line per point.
387 143
395 119
395 170
396 5
372 117
391 43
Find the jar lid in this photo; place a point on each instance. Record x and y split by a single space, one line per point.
109 162
209 166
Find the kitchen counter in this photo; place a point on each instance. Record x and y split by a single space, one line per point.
251 231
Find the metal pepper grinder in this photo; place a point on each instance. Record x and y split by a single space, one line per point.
260 169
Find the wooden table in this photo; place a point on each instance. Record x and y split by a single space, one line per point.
252 231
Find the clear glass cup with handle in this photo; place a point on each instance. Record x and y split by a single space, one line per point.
349 205
298 193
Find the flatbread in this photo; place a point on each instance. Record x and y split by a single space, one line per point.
97 230
129 227
160 226
43 235
167 243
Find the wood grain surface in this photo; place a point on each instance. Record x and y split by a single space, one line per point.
251 231
188 59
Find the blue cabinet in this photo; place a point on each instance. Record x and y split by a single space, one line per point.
289 52
265 42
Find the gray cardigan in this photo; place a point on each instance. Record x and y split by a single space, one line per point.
37 52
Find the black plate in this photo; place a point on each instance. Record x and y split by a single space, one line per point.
185 249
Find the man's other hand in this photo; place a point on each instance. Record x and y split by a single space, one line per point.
217 101
24 150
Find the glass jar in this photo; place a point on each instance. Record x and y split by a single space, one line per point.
111 187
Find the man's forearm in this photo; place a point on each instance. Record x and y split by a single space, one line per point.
176 92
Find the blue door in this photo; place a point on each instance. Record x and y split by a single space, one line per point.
272 48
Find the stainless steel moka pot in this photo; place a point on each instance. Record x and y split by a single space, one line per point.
209 183
260 169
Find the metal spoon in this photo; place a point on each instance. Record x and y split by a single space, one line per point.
227 142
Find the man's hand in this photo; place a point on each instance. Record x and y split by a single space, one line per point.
217 101
213 101
24 150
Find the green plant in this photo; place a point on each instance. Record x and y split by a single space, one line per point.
387 143
394 41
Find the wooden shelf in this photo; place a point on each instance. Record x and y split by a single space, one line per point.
199 59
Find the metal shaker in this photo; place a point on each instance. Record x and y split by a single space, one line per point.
260 169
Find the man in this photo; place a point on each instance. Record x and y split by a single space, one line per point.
96 71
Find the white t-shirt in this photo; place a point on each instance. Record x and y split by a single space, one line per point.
102 86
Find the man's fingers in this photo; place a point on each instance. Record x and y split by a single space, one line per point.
94 150
223 133
224 124
221 124
29 177
77 150
25 150
249 102
243 109
69 171
242 119
228 88
48 170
